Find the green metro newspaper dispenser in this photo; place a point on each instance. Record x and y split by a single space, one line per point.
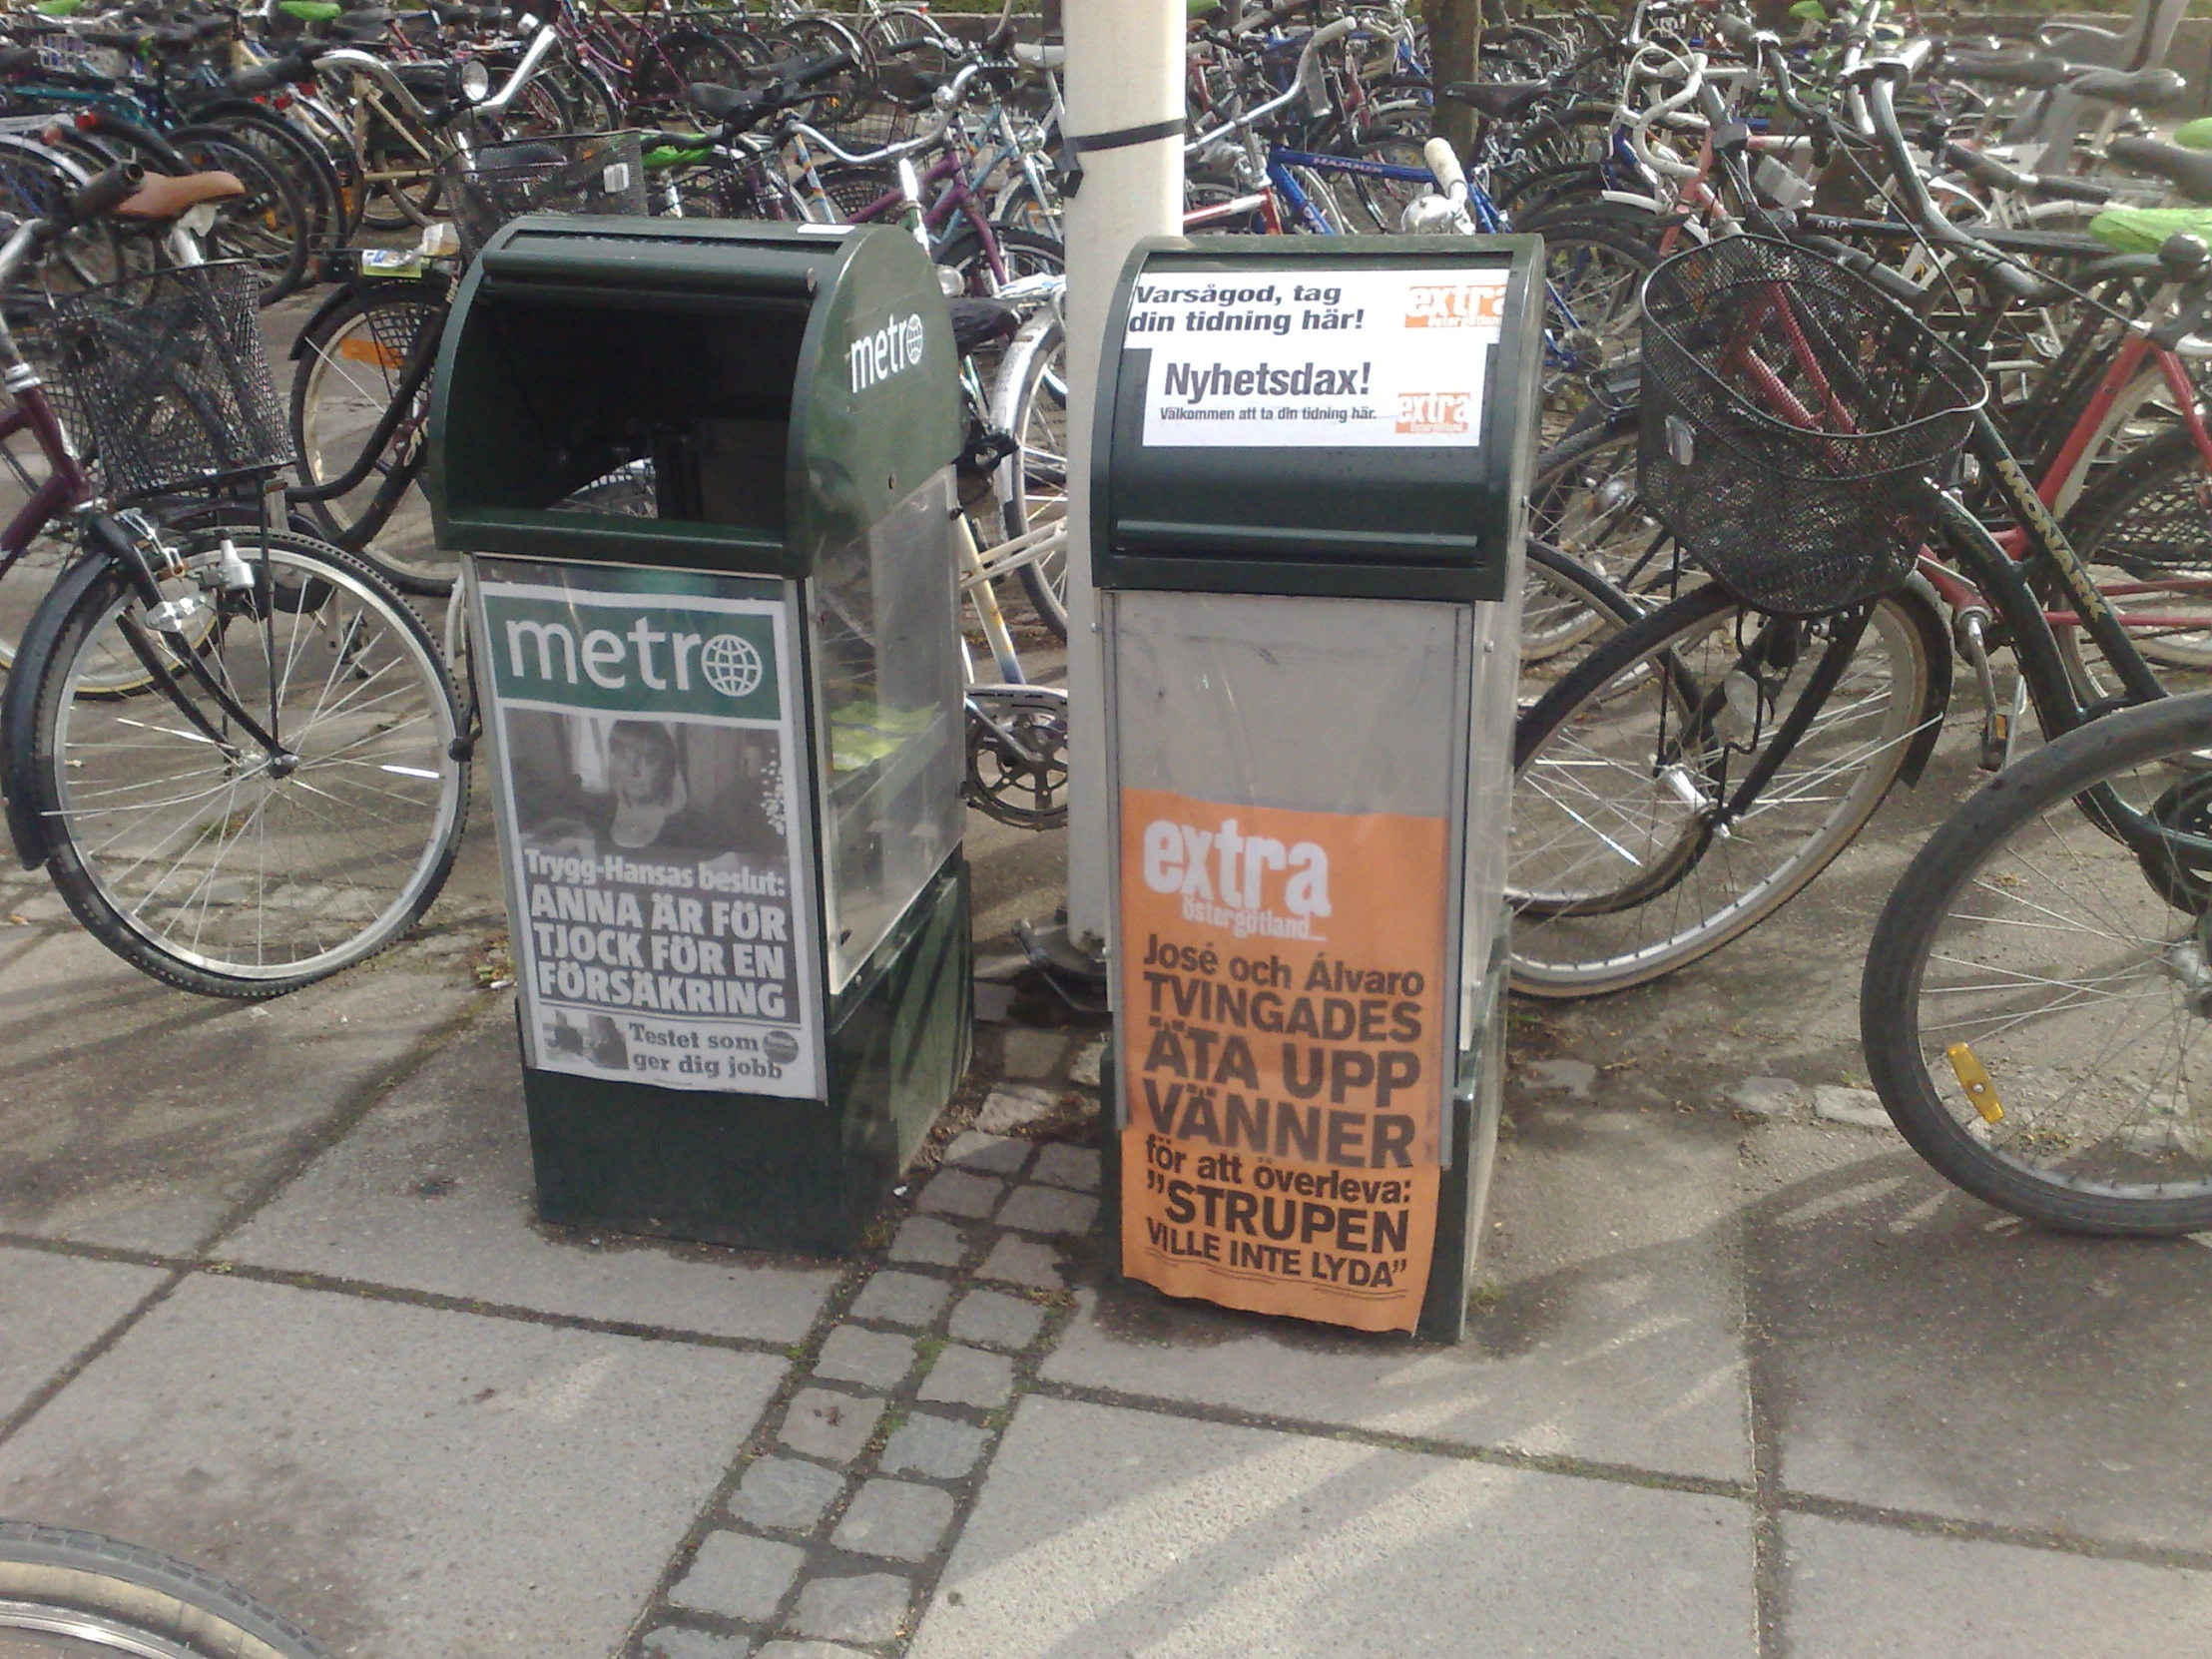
703 475
1307 537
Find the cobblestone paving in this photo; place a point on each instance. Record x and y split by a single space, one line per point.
828 1533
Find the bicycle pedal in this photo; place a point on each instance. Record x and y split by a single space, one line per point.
2001 729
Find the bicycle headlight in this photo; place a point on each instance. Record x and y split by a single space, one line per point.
475 81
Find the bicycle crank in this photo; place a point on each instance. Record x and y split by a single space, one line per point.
1017 755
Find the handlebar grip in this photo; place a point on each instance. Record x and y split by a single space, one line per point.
103 195
2018 281
1737 31
1444 162
836 64
1983 169
2072 190
1280 12
1332 30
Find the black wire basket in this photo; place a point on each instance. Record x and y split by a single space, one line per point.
164 378
1789 411
570 173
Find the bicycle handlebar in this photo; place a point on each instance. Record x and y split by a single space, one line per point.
1320 37
99 197
294 67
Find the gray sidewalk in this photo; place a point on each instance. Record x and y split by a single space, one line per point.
1744 1378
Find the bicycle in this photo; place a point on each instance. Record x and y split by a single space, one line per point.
1750 728
234 750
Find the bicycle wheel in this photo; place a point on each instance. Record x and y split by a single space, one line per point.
187 845
1564 604
72 1595
351 365
2145 530
2035 1002
1582 501
1594 269
1031 404
270 225
1633 852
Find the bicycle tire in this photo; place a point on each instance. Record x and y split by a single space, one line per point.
253 226
293 154
146 874
2147 520
1564 604
1594 266
2027 1053
94 1593
1032 406
1611 892
349 362
1582 501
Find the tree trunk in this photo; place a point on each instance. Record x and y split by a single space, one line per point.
1454 54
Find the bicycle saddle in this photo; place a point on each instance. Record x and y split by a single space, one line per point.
2188 171
163 196
14 59
2009 68
979 322
1499 100
721 102
2147 89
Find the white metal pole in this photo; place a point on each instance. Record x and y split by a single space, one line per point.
1124 75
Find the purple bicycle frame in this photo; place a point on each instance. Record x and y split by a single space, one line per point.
66 483
961 198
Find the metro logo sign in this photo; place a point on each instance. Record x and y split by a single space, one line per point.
644 654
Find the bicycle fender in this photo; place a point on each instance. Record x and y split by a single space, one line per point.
1927 614
19 708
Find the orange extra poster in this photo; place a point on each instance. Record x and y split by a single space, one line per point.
1282 1066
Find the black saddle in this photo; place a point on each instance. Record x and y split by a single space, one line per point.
976 323
2009 68
721 102
2144 89
2188 171
1498 100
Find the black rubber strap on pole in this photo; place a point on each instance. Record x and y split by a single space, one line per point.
1122 138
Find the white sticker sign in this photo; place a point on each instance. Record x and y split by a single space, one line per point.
1331 359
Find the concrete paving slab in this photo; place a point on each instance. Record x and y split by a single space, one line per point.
1108 1531
52 1308
1607 1327
432 1191
1865 1592
1928 1353
403 1481
133 1116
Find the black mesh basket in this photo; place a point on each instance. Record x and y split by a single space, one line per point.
1790 408
572 173
164 378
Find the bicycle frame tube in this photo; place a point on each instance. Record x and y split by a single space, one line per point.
2002 580
65 485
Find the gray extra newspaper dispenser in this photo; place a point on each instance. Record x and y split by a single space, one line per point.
1307 535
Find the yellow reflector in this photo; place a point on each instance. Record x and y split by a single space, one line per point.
353 349
1973 1077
